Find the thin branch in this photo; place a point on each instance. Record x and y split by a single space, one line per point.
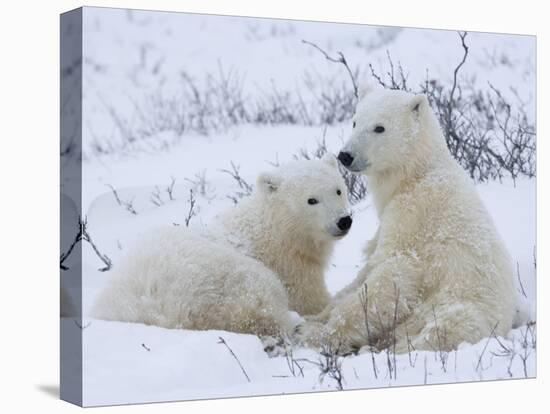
156 198
341 59
394 328
442 354
170 188
191 213
86 237
364 298
485 347
65 255
246 188
520 283
455 73
127 204
222 341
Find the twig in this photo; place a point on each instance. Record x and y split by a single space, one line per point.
156 198
170 188
394 329
293 366
235 173
241 182
341 59
65 255
519 280
330 363
425 369
222 341
410 347
86 237
455 73
191 213
128 205
485 347
529 329
442 354
363 297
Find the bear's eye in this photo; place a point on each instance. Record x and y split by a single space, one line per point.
353 124
312 201
379 129
338 192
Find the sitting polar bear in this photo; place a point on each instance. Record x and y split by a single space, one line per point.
261 259
436 268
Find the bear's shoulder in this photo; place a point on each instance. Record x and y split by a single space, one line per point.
429 199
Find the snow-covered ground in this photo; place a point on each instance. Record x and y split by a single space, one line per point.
135 363
129 55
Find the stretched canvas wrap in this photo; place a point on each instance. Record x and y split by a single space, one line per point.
253 206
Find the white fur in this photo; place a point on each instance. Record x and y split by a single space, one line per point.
260 261
436 264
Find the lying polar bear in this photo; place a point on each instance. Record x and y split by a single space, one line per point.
436 269
262 259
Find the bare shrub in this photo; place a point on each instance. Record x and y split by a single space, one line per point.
216 102
332 99
522 349
293 364
274 106
201 185
329 364
489 136
127 204
157 193
245 189
386 340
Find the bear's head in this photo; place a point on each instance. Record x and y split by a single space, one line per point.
307 198
389 131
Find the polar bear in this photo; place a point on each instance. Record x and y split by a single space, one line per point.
437 273
246 273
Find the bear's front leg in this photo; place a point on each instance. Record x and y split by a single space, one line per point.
370 314
345 329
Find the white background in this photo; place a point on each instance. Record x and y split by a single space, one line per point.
29 125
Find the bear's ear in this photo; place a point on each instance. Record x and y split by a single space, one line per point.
330 159
418 104
364 89
268 182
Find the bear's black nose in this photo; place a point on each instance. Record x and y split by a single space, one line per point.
345 158
344 223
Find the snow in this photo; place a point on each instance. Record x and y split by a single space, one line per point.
181 364
131 363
